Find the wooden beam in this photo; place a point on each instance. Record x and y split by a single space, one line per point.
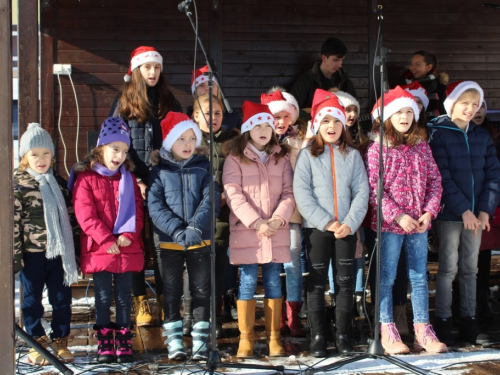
28 64
6 199
47 41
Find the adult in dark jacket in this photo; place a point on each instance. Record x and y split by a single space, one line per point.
144 101
325 74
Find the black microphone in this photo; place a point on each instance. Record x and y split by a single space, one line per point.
183 5
496 6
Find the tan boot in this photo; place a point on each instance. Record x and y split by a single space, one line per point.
143 316
159 309
35 357
391 341
426 339
246 324
401 319
272 314
60 346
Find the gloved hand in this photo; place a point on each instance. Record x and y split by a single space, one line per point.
180 238
193 237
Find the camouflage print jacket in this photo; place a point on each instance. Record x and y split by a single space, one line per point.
30 233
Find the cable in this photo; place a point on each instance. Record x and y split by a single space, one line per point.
77 119
59 123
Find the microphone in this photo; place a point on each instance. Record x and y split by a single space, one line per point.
183 5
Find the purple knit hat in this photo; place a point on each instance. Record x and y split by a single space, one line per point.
114 129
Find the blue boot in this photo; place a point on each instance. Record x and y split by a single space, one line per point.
200 334
173 332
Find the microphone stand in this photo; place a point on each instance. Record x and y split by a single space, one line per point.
214 361
375 349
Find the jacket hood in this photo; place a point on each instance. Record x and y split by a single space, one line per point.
156 159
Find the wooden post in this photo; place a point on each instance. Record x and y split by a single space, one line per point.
29 108
6 199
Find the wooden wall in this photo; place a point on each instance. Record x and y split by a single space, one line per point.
255 44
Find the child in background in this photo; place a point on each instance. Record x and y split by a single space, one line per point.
179 205
258 185
285 109
467 160
330 179
143 102
420 96
412 192
109 208
44 250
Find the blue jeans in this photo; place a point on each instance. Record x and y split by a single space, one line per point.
104 284
293 268
270 278
415 246
39 271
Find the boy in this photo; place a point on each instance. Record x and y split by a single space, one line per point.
467 160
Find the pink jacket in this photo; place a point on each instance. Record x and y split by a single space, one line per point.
258 191
412 184
96 208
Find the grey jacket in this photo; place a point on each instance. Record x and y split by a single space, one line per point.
312 188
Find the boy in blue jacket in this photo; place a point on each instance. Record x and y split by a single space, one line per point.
466 158
179 207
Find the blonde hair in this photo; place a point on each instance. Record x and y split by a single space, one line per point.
24 163
205 99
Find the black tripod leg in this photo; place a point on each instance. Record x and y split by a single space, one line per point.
400 363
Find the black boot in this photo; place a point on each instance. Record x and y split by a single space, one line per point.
316 319
344 322
303 308
359 305
469 331
442 327
230 309
219 331
484 309
187 324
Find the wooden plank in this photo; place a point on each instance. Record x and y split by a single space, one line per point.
122 57
7 358
46 65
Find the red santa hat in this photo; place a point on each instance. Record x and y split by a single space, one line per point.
418 91
255 114
454 90
281 101
172 127
375 114
325 103
142 55
395 100
198 77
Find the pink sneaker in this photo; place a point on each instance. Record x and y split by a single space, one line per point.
426 339
391 341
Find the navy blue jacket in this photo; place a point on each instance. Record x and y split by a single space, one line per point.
469 168
178 196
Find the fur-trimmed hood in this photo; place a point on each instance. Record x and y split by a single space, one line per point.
155 157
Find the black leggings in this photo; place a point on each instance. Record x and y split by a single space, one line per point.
323 248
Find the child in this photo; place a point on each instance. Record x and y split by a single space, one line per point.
412 192
466 157
179 206
199 87
352 109
420 96
285 109
330 180
201 116
257 181
43 243
109 208
144 101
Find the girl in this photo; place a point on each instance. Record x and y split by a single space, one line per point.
412 194
331 179
420 96
179 206
43 243
352 108
257 181
199 87
285 109
423 69
144 101
109 208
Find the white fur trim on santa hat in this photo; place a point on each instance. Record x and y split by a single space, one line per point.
420 93
199 80
398 104
347 99
327 111
257 119
457 91
177 131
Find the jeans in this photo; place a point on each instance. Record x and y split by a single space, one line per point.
39 271
359 275
104 285
198 266
270 279
415 247
293 268
322 248
458 253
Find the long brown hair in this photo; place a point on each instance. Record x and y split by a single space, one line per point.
411 137
237 145
134 102
318 143
95 156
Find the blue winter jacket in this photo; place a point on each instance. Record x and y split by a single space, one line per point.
469 168
178 196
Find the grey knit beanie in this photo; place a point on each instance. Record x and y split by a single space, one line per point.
35 136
